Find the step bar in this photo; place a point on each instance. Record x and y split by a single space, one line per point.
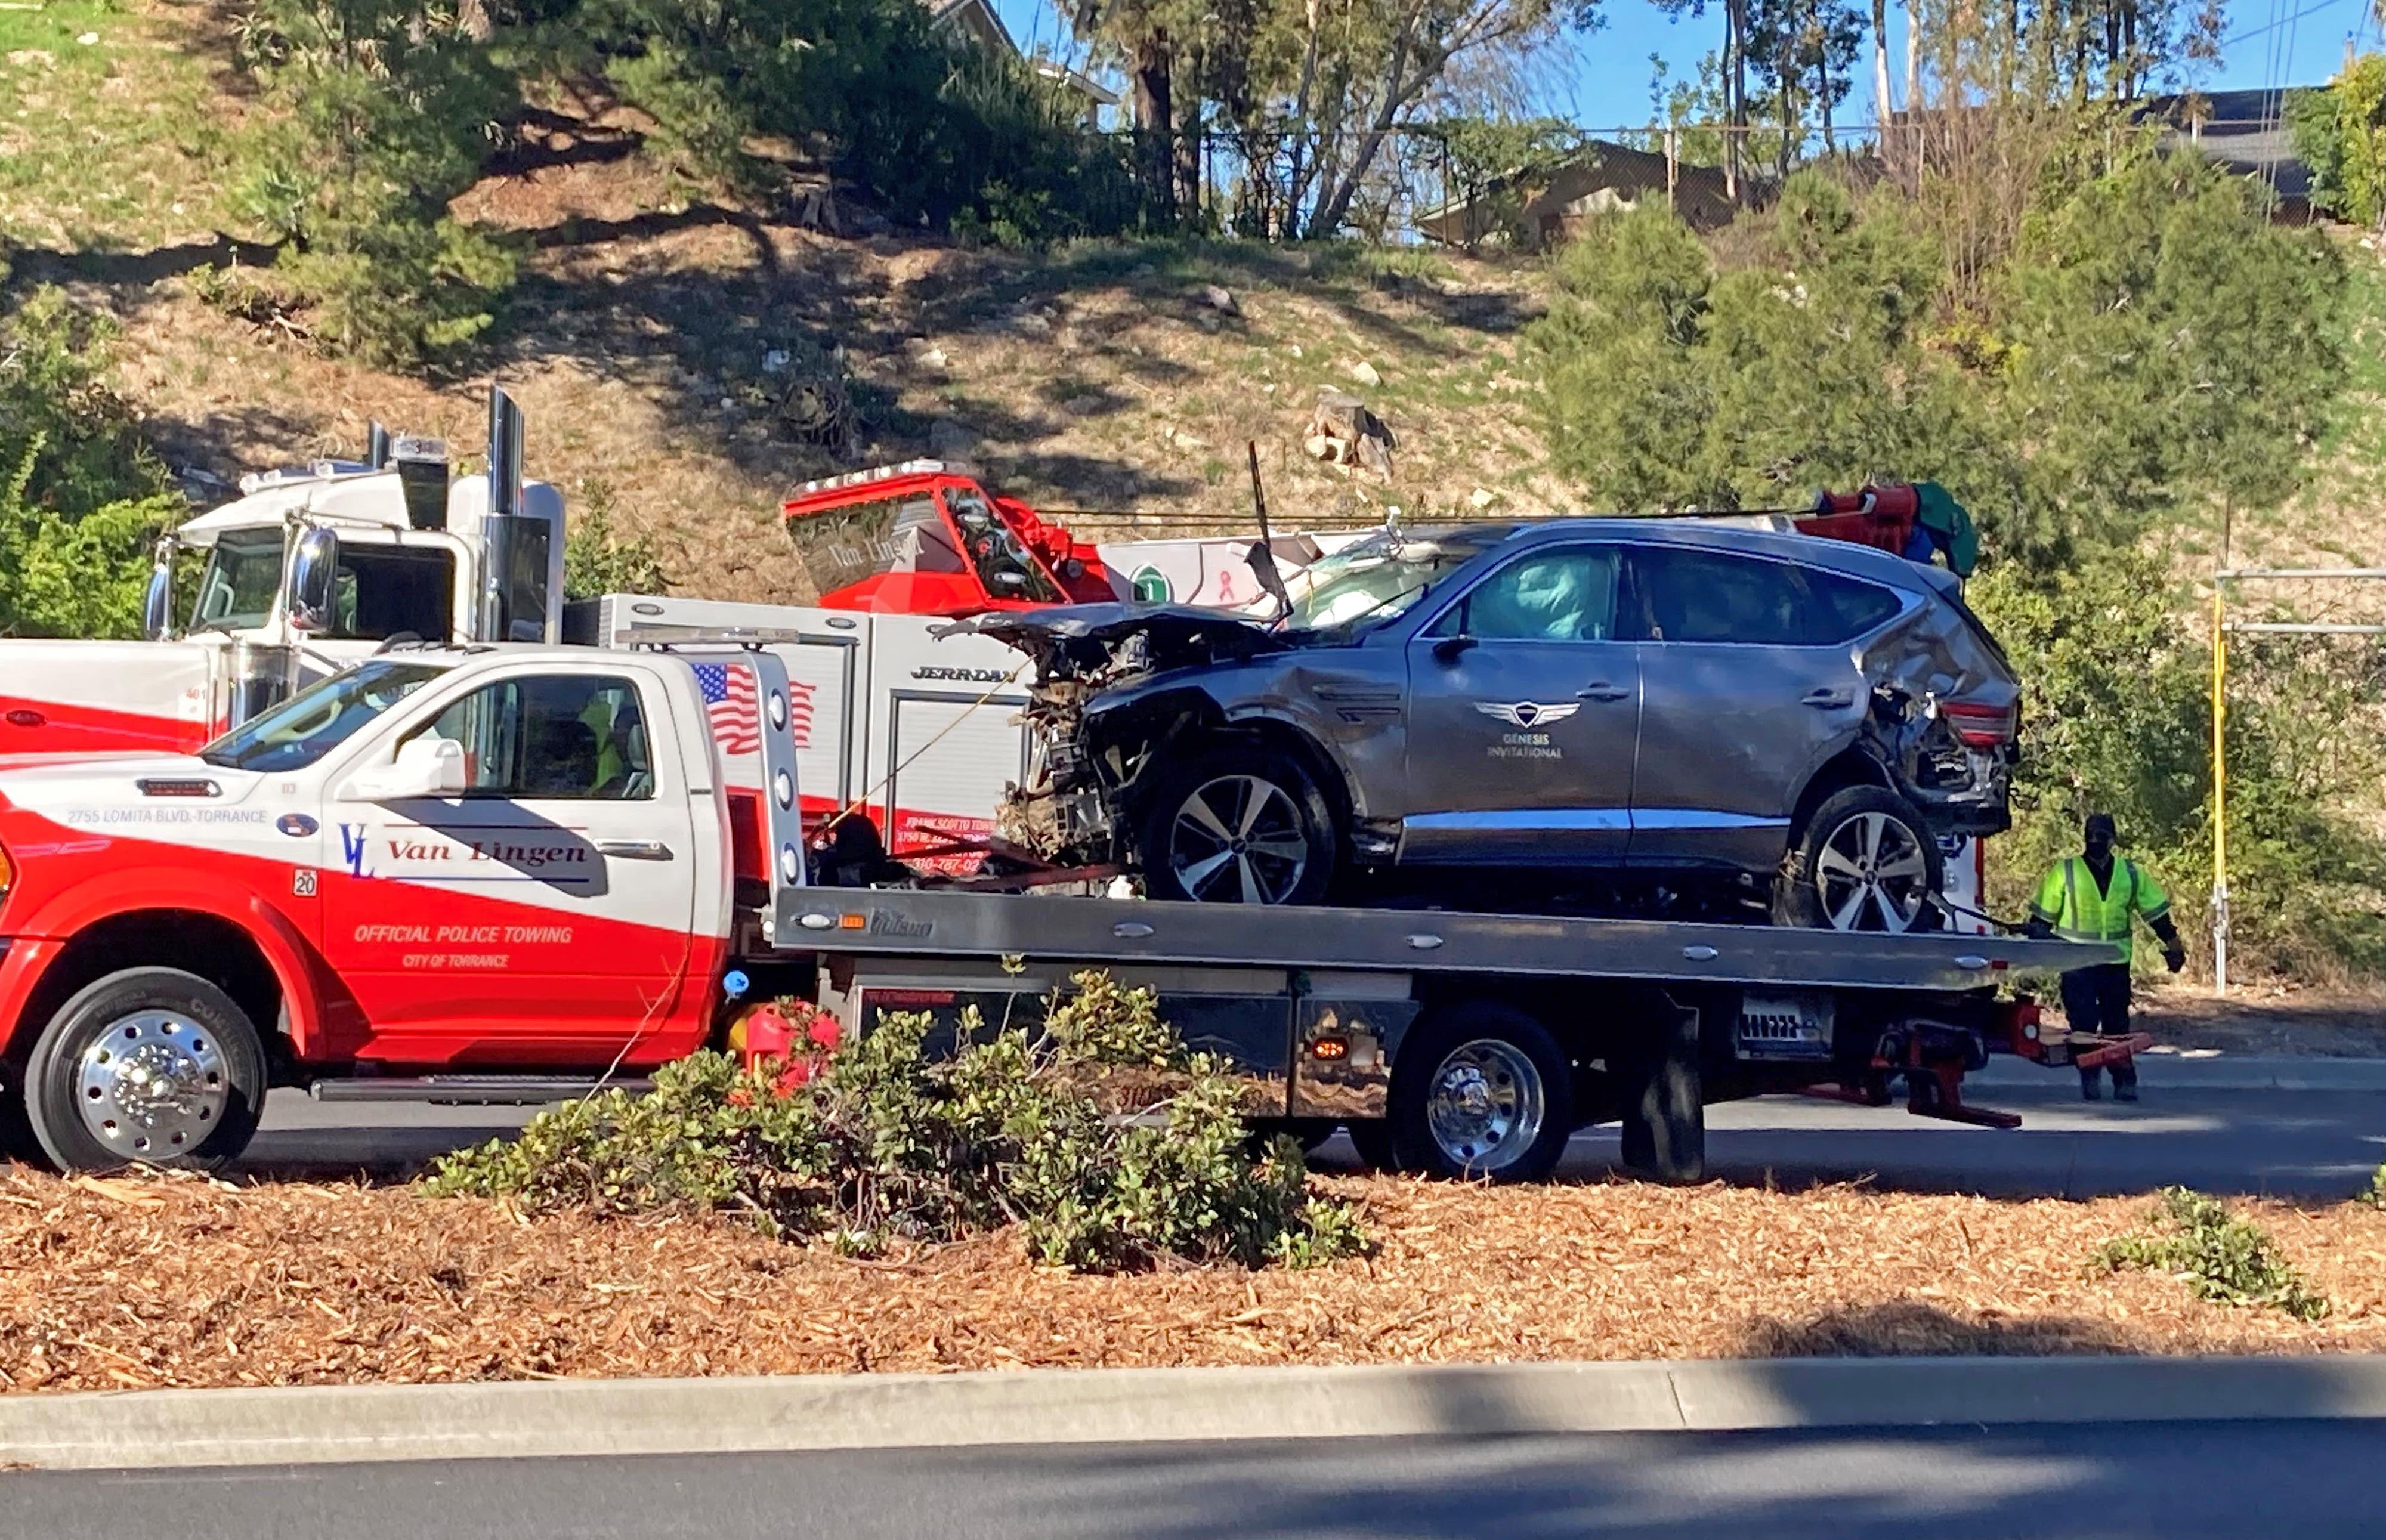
469 1090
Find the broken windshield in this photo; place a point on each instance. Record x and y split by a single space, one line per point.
1367 585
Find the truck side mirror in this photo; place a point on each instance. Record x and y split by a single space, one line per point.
157 603
314 568
422 767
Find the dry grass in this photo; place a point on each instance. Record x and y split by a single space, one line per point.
145 1282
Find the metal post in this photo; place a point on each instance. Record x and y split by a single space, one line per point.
2219 790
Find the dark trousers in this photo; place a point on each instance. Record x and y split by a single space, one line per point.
2097 999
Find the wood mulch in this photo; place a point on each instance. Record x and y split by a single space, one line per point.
139 1282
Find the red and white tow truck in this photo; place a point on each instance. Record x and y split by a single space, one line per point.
504 874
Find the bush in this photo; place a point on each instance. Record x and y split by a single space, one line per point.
597 559
1106 1142
380 113
2216 1254
2339 132
81 496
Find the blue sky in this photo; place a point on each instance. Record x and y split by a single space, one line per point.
2274 42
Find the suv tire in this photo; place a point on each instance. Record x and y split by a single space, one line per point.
1236 823
1481 1090
1864 860
151 1066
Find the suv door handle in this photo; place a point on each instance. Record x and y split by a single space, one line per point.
634 850
1829 700
1601 689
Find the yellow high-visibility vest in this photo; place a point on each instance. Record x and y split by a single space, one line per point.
2067 901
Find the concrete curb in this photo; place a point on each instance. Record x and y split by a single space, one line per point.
516 1420
2220 1073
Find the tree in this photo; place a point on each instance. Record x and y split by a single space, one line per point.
80 497
377 120
2339 132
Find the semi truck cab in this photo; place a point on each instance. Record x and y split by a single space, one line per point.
309 570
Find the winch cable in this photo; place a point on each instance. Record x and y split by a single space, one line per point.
862 802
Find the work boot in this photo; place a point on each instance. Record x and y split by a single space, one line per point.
2122 1093
2089 1091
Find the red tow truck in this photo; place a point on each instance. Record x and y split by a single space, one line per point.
509 873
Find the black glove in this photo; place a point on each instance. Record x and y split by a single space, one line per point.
2174 956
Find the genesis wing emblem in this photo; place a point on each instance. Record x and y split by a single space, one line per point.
1527 713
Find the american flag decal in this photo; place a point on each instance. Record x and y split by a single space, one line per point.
799 712
728 691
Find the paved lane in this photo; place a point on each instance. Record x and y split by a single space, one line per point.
2171 1481
2319 1144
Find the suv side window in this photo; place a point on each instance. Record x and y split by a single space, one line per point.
568 737
1848 608
1697 596
1565 593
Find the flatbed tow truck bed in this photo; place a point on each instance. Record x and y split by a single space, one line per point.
1452 1042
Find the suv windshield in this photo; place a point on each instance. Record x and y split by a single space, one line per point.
244 574
1369 584
319 717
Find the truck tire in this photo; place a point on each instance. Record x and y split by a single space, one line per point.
1864 860
151 1066
1372 1137
1480 1090
1238 823
1664 1110
17 1142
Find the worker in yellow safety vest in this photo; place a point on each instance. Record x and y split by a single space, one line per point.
2094 896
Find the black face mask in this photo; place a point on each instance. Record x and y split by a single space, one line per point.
2100 848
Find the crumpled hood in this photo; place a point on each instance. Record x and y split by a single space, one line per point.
1079 638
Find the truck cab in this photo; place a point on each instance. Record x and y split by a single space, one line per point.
495 859
308 570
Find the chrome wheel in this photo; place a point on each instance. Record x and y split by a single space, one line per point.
1487 1105
153 1086
1238 839
1872 874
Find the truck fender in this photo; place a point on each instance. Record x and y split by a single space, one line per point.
286 950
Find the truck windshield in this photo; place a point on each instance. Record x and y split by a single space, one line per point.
319 717
241 579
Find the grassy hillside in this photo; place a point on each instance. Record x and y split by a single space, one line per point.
641 340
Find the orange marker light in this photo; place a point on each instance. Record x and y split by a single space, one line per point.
1330 1049
853 923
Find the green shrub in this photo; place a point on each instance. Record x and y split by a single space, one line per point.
2218 1256
1100 1137
378 113
2375 1193
599 559
81 496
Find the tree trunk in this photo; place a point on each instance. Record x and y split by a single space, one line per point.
1787 72
1735 92
1155 116
1881 106
1912 55
1185 140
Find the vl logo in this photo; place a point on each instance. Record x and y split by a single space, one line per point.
352 848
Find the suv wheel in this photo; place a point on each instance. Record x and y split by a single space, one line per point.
1237 825
1864 861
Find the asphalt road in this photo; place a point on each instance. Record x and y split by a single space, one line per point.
2173 1480
2298 1144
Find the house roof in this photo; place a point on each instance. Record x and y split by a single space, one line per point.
2244 130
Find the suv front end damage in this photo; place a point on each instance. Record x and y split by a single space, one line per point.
1092 734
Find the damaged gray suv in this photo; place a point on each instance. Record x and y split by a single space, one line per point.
1578 713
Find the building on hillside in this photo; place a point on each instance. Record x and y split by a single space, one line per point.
2245 132
977 21
1535 209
